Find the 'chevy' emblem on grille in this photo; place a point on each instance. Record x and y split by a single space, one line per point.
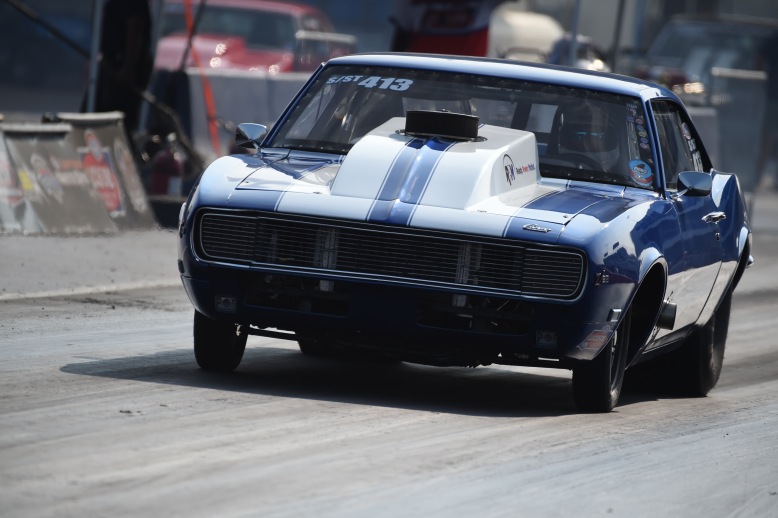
536 228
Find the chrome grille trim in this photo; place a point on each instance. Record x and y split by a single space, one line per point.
357 250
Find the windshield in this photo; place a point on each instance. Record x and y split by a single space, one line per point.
581 134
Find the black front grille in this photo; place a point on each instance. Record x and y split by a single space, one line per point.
391 254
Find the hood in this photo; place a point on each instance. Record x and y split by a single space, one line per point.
491 186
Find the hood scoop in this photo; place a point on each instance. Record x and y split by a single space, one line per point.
399 161
449 125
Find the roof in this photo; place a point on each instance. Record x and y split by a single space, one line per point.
534 72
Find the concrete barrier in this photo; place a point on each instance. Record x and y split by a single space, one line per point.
73 176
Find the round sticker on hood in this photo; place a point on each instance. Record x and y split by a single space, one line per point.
640 172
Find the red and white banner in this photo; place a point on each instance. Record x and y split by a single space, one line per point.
71 177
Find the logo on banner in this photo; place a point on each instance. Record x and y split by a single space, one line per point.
46 179
99 169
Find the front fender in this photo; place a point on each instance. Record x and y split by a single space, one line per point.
628 268
649 258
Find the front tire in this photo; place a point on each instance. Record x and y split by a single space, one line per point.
597 383
218 345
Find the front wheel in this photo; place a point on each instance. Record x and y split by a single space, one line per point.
597 383
218 345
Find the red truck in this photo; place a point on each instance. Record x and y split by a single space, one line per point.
261 35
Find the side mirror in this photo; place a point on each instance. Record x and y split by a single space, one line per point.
249 135
695 183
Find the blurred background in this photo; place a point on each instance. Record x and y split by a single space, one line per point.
215 63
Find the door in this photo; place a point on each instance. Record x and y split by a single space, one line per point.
698 216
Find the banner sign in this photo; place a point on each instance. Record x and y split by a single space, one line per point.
70 177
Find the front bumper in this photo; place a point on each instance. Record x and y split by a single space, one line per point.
437 327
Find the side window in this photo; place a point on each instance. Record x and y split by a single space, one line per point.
677 144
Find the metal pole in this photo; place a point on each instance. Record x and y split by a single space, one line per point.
573 47
617 36
97 30
156 25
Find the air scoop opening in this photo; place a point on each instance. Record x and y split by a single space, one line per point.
449 125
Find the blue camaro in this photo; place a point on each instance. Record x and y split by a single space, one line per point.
463 212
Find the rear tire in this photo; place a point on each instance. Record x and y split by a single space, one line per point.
218 345
694 368
597 383
701 357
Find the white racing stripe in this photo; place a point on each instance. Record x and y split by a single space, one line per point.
369 163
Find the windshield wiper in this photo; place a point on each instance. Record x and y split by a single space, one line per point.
339 150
